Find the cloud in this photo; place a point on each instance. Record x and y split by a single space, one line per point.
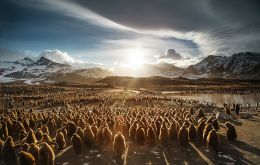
124 51
218 25
57 56
194 28
170 54
177 15
173 57
64 58
183 63
74 10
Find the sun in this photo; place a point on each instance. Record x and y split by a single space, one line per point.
135 61
135 57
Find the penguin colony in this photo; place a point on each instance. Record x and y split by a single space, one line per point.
31 138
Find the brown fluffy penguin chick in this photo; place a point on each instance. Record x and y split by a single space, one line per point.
25 146
22 134
107 136
8 151
215 124
38 134
60 140
163 135
34 150
209 120
125 131
213 140
99 137
64 131
25 158
80 132
200 128
183 136
82 123
173 131
231 131
88 137
94 129
52 125
71 129
206 131
18 127
192 132
140 136
119 145
31 138
46 154
132 131
1 145
150 136
45 129
46 138
76 143
4 130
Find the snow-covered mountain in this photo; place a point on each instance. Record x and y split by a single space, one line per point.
24 62
41 69
46 70
7 67
242 65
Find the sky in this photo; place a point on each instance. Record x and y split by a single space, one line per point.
128 32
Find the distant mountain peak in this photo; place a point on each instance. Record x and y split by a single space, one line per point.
244 65
26 61
43 60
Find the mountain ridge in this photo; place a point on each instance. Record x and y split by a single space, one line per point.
45 69
241 65
238 66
